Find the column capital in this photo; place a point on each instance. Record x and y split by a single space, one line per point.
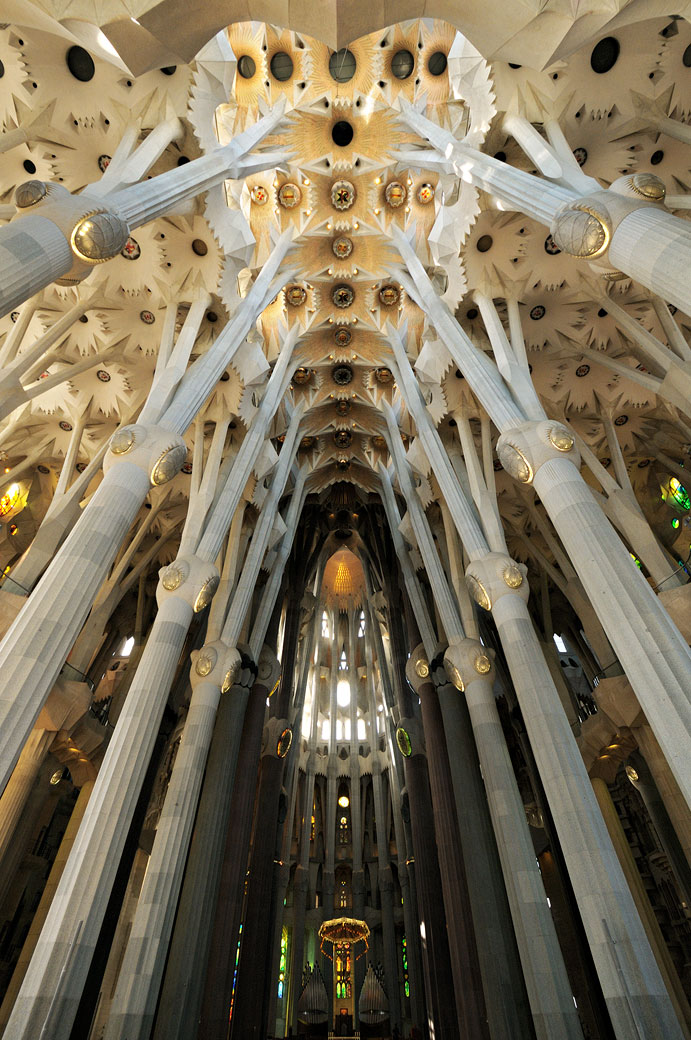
190 579
417 668
496 575
158 452
268 669
528 446
467 661
216 663
584 227
94 232
277 738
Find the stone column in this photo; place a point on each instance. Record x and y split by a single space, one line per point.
542 453
666 784
404 846
134 1004
53 984
149 452
431 924
252 999
468 955
181 993
214 668
36 644
56 870
64 236
625 226
391 958
553 1015
633 988
301 880
488 888
221 965
640 897
649 646
20 783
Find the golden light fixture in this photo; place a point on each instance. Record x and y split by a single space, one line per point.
346 930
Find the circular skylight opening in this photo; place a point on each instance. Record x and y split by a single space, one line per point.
80 63
402 64
246 66
342 65
484 243
342 133
281 66
437 63
605 54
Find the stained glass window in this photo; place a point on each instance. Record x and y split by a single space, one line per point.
235 975
679 493
404 958
282 963
342 960
9 500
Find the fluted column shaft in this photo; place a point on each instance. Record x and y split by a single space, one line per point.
632 986
548 987
33 253
650 647
465 955
221 964
53 984
505 976
643 905
39 917
134 1004
37 643
643 636
654 248
431 925
20 783
182 990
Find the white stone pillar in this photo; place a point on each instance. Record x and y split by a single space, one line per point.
215 668
548 988
649 646
637 1001
134 1004
541 453
624 226
20 783
52 987
37 643
64 236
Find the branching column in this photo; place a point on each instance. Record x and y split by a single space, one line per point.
541 452
147 453
546 981
64 236
624 226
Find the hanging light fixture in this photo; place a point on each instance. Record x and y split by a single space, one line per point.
343 796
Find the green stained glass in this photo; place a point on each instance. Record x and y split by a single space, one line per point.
679 493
